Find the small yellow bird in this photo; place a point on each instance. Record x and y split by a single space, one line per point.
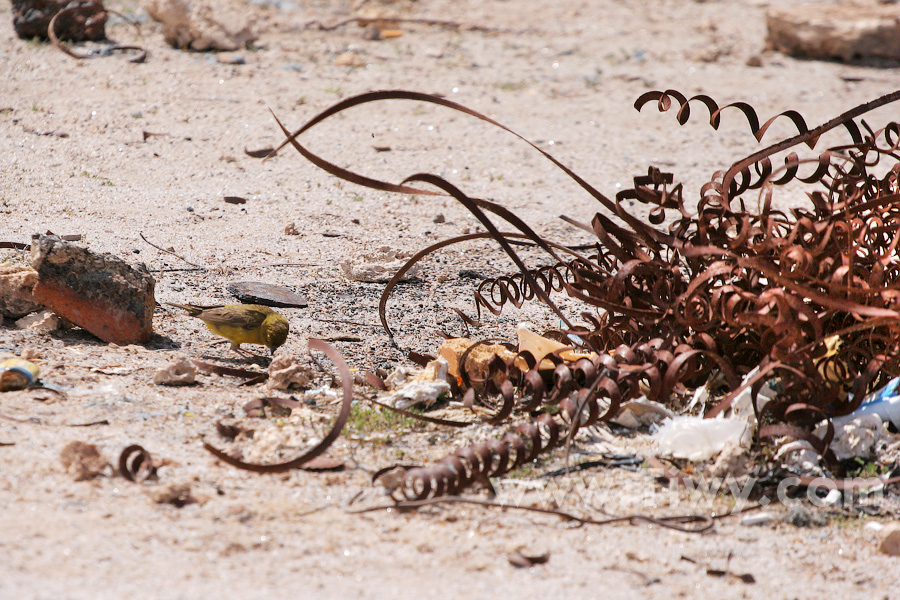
242 324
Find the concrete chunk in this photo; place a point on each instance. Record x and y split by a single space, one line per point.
100 293
16 298
839 31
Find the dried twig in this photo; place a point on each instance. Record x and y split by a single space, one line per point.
179 257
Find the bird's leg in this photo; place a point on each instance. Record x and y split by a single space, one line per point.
245 353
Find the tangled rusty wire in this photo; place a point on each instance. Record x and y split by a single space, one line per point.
809 295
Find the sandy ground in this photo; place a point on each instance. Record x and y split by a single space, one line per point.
563 74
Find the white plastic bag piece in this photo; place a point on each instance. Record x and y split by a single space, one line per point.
699 439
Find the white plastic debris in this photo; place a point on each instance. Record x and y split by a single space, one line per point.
800 457
181 371
641 411
286 372
412 387
758 519
699 439
742 405
857 437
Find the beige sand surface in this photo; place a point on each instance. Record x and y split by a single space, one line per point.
563 73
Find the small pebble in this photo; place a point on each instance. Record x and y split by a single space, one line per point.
800 516
228 58
758 519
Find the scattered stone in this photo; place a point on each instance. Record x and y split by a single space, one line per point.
800 516
758 519
176 494
641 412
82 460
286 372
378 266
30 353
439 218
291 229
85 20
180 371
754 61
840 31
890 540
40 322
231 58
100 293
16 297
371 33
349 59
833 498
733 461
201 25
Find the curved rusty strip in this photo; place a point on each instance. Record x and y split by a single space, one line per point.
321 447
136 464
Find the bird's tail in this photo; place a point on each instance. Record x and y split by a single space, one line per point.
190 308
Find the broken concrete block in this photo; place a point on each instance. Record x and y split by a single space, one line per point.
180 371
100 293
85 20
286 372
203 25
835 31
40 322
377 266
16 283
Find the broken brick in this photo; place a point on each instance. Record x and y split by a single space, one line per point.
100 293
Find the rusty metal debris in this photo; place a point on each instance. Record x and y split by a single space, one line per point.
136 464
85 20
520 560
250 377
304 460
810 294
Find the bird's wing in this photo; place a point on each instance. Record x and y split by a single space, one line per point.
234 316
